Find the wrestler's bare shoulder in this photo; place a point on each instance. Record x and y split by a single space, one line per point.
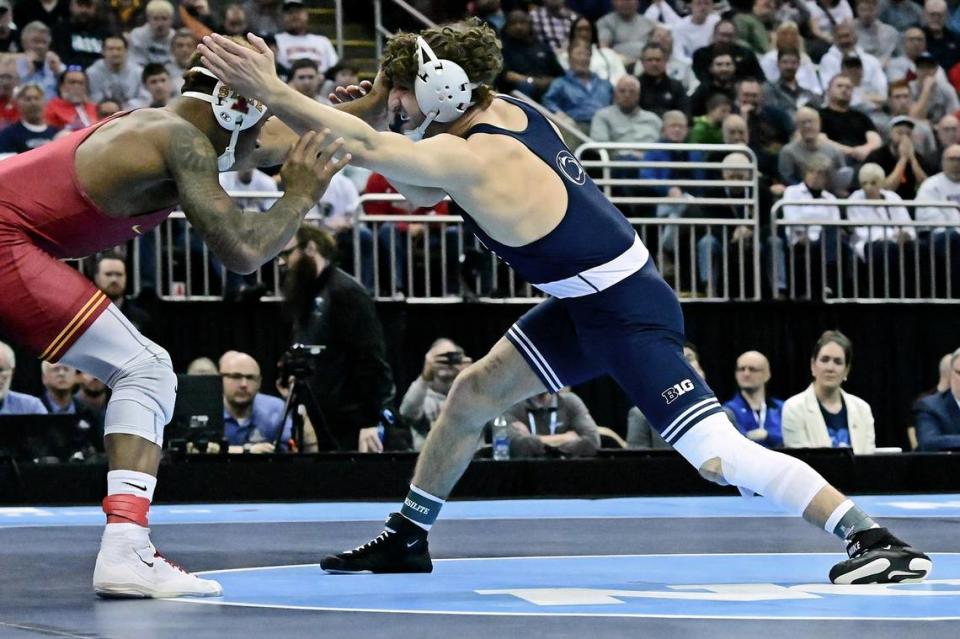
136 133
124 167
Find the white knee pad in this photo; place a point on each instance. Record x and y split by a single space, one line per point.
144 392
786 481
138 371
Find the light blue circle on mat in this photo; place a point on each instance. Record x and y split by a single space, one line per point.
720 586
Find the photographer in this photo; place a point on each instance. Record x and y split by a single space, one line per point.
351 379
422 401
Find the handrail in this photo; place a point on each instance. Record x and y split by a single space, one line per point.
670 146
776 221
605 163
654 223
606 182
928 204
381 31
413 12
652 227
338 22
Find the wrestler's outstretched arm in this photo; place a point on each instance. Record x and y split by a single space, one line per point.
368 101
276 138
443 161
242 241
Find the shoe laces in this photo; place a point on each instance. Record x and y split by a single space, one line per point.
169 562
373 543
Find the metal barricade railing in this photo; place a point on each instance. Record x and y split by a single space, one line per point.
338 26
620 179
435 264
440 261
177 264
822 263
702 258
429 258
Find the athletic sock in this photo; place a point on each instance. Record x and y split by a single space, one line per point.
129 494
421 507
130 482
848 519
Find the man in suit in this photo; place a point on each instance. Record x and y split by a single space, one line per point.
937 417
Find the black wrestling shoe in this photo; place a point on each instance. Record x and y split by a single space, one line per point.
877 557
401 547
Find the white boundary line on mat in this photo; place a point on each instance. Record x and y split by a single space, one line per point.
218 602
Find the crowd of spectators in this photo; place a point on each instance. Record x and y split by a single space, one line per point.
865 82
91 58
832 84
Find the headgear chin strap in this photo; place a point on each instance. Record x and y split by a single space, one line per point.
233 111
442 87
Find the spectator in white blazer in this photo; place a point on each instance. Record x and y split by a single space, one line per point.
824 415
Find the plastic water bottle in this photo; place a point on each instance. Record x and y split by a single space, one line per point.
501 440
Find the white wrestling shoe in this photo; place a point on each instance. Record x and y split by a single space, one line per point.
128 566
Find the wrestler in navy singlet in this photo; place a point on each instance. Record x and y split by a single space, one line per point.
611 312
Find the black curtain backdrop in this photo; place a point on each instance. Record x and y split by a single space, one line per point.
896 347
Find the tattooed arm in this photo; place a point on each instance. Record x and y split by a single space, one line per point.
244 241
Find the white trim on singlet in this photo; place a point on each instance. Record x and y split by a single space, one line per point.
598 278
536 357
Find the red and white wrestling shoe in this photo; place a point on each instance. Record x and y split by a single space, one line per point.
128 566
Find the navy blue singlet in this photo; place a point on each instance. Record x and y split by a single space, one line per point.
630 328
592 232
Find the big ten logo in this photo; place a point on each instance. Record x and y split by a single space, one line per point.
675 391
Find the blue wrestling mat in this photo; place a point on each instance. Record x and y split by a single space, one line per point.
661 567
730 586
625 508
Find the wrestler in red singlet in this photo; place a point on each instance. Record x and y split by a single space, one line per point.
101 187
45 214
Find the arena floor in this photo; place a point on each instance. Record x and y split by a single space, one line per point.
659 567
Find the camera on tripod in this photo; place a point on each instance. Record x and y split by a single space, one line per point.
300 361
296 366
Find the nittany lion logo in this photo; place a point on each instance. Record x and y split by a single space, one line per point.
675 391
570 168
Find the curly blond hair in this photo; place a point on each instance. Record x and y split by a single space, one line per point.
470 43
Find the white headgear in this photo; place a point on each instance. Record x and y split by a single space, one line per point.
233 111
442 87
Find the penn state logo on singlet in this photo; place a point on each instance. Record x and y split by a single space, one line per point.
570 168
